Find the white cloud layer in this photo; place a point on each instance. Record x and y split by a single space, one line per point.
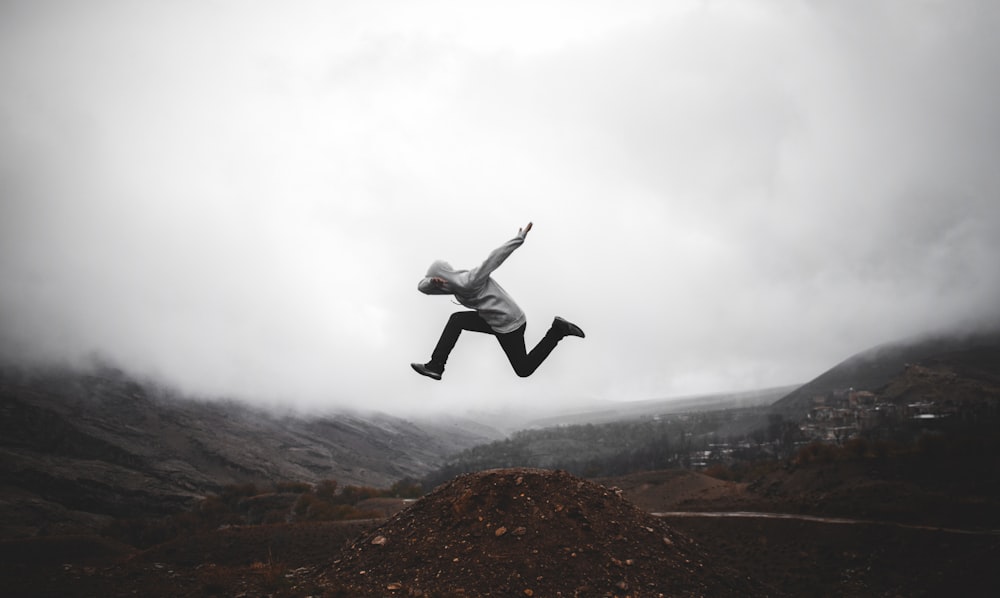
239 198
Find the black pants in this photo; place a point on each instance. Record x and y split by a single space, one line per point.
524 363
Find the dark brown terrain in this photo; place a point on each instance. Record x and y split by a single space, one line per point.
536 533
525 532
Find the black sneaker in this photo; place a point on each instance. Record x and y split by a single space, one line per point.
425 369
567 328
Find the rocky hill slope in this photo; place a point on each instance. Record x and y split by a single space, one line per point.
876 367
76 449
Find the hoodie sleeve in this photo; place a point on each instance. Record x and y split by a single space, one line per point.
479 274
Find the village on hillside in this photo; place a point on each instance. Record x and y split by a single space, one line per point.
922 400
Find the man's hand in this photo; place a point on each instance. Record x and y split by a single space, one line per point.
523 232
438 282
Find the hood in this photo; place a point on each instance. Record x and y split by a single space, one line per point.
457 280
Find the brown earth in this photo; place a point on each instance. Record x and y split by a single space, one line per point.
668 490
812 558
547 518
249 561
529 532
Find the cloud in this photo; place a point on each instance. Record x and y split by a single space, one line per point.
240 199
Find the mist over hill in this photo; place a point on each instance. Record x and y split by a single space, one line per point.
874 368
77 448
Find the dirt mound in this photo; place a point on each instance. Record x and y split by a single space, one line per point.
529 532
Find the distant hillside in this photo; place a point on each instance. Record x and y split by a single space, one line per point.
876 367
969 379
627 410
78 448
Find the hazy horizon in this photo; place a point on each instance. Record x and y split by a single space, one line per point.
238 200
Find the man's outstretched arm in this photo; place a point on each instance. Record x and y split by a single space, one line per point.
479 274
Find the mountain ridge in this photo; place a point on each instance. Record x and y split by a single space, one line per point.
78 448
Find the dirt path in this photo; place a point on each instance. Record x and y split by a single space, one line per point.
836 520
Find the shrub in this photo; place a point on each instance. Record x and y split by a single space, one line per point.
406 488
816 452
352 494
305 503
326 489
324 511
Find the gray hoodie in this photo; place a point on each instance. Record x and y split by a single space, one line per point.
476 290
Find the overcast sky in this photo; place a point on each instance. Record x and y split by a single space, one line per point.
238 198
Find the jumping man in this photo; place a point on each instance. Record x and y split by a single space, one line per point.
494 312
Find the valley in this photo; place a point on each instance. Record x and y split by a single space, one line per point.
115 488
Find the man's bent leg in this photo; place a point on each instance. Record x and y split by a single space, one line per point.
459 321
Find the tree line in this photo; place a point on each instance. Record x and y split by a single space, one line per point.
618 448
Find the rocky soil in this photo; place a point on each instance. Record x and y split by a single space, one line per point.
526 532
530 533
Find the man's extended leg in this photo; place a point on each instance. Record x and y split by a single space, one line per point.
459 321
525 363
